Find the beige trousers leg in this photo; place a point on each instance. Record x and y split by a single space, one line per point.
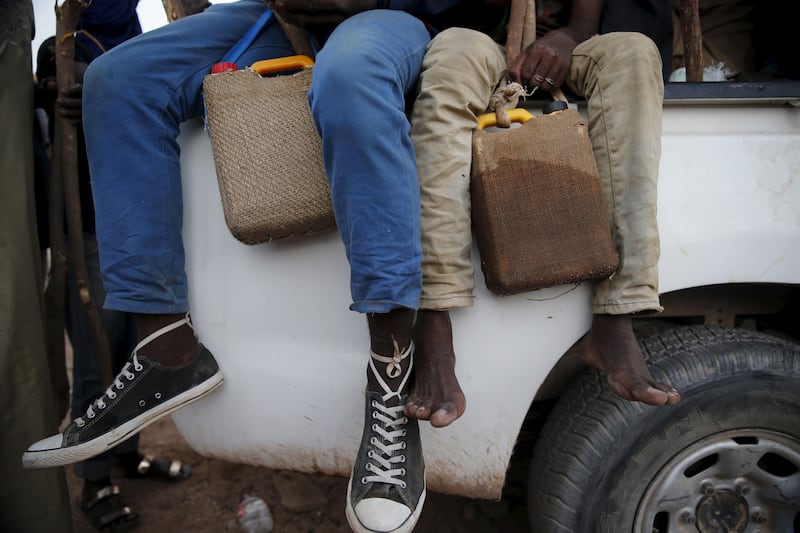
620 76
459 73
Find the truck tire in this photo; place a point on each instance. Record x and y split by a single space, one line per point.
726 458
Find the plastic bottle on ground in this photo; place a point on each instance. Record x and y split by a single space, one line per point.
254 515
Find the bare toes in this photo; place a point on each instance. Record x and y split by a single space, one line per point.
673 396
418 409
444 416
448 412
642 392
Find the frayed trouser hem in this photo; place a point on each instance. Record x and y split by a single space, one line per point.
640 308
446 304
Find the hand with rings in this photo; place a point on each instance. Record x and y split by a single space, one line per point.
541 79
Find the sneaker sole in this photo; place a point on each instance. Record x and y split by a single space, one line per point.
406 527
101 443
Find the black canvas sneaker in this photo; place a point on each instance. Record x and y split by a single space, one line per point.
143 392
386 491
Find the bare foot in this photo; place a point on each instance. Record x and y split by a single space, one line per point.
435 393
611 347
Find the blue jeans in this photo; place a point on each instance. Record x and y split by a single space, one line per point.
140 92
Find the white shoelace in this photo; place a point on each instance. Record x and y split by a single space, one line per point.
385 465
117 385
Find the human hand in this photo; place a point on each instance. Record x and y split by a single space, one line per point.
315 12
70 102
545 63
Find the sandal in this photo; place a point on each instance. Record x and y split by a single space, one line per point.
153 467
107 512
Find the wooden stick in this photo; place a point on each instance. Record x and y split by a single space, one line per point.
516 25
529 28
692 39
66 144
174 10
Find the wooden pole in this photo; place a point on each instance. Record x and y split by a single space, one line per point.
174 10
692 39
66 145
516 25
529 25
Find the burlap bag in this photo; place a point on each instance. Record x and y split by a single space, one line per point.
537 206
268 155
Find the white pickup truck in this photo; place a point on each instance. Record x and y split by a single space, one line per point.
726 458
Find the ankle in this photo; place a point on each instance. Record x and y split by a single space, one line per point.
389 375
388 330
172 348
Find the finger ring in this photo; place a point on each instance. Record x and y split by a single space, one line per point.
550 81
538 77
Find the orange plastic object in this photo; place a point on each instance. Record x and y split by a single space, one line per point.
517 114
280 64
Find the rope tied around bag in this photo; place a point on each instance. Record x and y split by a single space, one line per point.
506 97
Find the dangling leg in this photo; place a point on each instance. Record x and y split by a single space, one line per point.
369 65
459 73
617 72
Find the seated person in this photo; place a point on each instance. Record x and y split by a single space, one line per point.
140 93
620 76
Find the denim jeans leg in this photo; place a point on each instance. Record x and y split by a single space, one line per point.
139 93
362 77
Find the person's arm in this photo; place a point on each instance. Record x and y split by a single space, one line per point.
546 62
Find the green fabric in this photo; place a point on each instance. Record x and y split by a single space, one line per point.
30 501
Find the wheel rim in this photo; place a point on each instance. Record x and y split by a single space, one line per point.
737 481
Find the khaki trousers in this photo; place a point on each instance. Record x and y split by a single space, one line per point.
619 75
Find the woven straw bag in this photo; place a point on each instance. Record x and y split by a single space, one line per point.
267 152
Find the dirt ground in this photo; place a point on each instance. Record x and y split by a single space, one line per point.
300 503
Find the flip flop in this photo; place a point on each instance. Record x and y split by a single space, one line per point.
156 468
106 511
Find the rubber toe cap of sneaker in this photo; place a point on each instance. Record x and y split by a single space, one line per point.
52 442
379 514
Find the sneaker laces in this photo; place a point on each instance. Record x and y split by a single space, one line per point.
118 384
385 462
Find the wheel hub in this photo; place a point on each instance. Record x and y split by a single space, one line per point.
722 512
736 481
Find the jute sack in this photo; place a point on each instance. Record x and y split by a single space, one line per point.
267 152
537 206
